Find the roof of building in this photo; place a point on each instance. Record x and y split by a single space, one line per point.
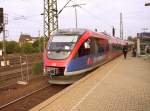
144 34
26 37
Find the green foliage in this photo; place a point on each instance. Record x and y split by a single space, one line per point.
38 68
38 45
27 48
11 46
130 38
17 49
1 44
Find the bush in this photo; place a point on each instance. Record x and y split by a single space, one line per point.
1 44
38 68
11 46
38 45
27 48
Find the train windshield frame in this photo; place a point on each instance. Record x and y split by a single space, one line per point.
60 46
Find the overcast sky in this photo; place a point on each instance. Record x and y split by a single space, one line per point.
24 16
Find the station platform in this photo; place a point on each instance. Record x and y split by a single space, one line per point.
120 85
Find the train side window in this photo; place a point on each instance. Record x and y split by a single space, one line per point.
91 46
101 49
94 45
107 47
84 48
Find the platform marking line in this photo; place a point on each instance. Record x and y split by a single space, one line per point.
90 91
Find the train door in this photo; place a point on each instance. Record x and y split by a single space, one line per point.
109 50
87 56
89 47
82 60
93 49
85 48
104 48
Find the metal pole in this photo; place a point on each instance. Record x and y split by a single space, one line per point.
28 76
21 68
4 44
76 18
138 47
44 31
76 15
121 26
44 28
39 41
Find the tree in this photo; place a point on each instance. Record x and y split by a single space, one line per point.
130 38
17 48
27 48
11 46
38 45
1 44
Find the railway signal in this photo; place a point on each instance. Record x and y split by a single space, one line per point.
147 4
1 15
1 28
113 31
3 22
1 19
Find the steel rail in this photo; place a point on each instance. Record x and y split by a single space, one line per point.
23 97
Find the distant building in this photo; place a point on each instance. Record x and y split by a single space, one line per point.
143 39
144 35
24 38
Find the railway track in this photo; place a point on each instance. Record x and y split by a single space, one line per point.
17 66
31 99
12 75
15 61
21 98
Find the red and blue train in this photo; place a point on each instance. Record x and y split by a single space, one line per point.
72 52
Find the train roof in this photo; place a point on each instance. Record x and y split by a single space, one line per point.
81 31
70 31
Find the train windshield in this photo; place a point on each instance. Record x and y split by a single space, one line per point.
61 46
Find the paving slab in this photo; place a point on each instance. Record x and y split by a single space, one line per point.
120 85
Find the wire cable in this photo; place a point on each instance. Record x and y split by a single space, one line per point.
94 16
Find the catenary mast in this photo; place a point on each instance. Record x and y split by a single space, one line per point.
50 17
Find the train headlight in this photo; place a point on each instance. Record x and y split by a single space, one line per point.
48 53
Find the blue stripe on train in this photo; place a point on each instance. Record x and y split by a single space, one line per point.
84 62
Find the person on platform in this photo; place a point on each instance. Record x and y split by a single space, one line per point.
133 51
147 48
125 51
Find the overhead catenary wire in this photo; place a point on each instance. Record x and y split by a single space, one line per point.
97 18
64 7
75 7
29 18
94 16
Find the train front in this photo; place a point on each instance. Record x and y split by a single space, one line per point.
58 54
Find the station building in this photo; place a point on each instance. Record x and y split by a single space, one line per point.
143 39
25 38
